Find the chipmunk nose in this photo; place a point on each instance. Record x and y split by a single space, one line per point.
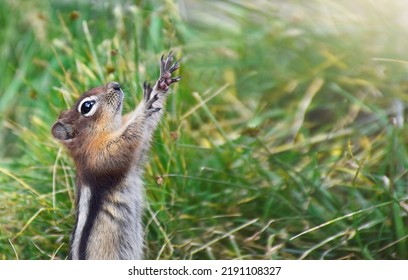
114 85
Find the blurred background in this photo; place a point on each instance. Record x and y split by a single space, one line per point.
285 139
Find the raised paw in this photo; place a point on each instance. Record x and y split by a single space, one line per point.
166 69
149 99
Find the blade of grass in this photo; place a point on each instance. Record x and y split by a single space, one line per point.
20 181
206 100
311 91
349 232
14 248
30 221
227 234
54 178
212 118
95 59
161 229
344 217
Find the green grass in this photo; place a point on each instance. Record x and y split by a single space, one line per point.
283 140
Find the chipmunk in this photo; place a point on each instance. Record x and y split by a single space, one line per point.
109 152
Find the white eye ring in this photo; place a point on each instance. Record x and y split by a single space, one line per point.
88 106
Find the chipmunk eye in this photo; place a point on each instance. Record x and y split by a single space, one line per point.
86 107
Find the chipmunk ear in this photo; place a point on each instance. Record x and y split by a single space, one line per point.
62 131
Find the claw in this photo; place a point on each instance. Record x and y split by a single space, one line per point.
150 102
169 56
162 65
175 66
147 90
169 60
176 79
165 64
151 111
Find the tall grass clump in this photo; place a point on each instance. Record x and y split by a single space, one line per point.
285 139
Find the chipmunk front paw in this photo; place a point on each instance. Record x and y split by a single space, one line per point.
166 69
163 83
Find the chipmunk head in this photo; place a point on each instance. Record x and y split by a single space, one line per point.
97 111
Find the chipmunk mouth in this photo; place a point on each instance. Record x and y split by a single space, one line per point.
115 95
